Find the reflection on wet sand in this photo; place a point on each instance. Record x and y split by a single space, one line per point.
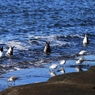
52 73
79 68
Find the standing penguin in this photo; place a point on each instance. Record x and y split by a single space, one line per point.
47 48
2 54
10 50
85 40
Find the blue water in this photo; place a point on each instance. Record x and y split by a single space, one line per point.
28 24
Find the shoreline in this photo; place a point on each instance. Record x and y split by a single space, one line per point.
75 83
42 74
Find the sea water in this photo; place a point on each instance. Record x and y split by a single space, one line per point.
29 24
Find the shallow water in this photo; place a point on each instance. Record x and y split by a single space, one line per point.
27 25
42 74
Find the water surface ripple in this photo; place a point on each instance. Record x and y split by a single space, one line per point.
28 24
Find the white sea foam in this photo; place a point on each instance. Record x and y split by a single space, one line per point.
18 45
52 39
17 68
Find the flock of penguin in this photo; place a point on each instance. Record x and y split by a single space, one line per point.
47 50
